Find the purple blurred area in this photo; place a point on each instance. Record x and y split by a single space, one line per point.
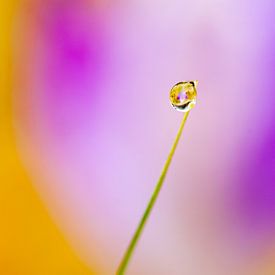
99 127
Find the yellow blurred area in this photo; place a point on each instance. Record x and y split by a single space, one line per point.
30 243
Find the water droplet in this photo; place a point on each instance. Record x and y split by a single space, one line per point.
183 95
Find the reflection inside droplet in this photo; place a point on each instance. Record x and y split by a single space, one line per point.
183 95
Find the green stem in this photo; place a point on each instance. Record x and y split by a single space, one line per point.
123 265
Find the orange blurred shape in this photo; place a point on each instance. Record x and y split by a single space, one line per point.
30 243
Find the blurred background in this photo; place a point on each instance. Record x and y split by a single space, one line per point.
86 126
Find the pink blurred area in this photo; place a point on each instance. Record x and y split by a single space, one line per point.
94 127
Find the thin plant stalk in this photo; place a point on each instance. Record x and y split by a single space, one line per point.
127 256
